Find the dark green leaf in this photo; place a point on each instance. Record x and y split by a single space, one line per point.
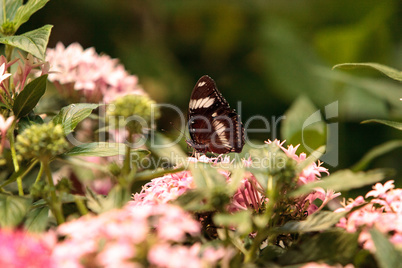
319 221
98 149
343 180
303 125
334 246
29 96
388 71
33 42
375 152
13 209
28 121
71 115
386 254
397 125
11 9
24 12
37 219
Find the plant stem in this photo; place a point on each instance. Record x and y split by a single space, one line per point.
55 202
39 174
14 157
127 158
262 232
80 205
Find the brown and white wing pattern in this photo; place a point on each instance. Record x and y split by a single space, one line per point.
213 126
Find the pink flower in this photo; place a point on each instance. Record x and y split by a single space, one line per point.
4 126
123 237
83 74
164 189
248 196
380 190
19 249
3 74
383 213
324 265
168 256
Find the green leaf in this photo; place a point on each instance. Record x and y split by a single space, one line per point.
397 125
25 12
316 222
28 121
148 175
33 42
165 149
37 219
333 246
343 180
98 149
386 254
388 71
375 152
193 200
11 9
116 198
241 221
303 125
13 209
205 176
71 115
29 96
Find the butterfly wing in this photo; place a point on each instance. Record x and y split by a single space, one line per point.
213 126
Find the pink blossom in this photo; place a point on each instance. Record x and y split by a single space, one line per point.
4 126
83 74
164 189
3 74
121 237
383 213
379 190
19 249
324 265
168 256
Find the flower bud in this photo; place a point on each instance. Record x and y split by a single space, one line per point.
42 141
135 112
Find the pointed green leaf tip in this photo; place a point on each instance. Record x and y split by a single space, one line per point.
29 96
71 115
33 42
388 71
24 12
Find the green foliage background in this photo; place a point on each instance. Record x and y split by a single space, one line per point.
265 54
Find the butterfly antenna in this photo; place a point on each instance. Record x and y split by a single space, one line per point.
183 133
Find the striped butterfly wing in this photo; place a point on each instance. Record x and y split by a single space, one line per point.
213 126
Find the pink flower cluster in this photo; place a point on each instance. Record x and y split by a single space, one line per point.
83 75
383 211
132 236
164 189
250 194
19 250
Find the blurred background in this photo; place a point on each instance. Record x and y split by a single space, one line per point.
265 54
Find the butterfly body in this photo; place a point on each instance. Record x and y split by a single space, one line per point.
213 126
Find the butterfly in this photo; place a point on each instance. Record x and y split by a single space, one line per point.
213 126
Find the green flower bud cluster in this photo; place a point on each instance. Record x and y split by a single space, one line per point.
41 141
137 112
